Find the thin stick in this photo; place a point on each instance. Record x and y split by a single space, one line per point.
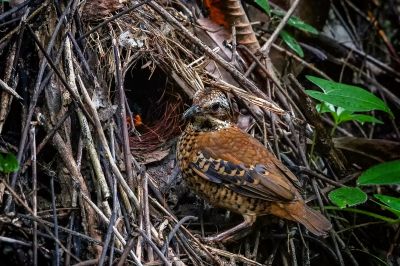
116 232
175 229
103 141
125 135
112 223
9 89
15 195
154 247
34 196
37 90
113 18
267 46
146 214
58 73
55 221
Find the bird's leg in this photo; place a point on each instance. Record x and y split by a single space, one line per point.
248 221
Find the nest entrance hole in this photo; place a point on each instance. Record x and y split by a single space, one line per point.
156 106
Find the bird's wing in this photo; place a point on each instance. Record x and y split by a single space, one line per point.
244 165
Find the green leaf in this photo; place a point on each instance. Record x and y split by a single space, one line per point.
8 163
264 4
351 98
301 25
391 203
382 174
347 196
365 119
296 22
291 42
343 115
325 107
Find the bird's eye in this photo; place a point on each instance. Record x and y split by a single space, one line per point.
215 106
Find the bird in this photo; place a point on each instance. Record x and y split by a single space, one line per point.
233 170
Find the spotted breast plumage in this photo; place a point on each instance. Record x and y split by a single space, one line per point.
231 169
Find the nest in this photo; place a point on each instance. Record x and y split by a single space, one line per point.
147 135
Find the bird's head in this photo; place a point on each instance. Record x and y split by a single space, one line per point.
209 106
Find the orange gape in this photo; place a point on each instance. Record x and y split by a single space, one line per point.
137 121
233 170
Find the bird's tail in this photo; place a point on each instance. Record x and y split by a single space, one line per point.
313 220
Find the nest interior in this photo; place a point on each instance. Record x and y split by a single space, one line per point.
155 107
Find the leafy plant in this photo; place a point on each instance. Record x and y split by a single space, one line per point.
291 42
349 97
293 21
390 203
381 174
297 23
264 4
343 101
347 196
8 163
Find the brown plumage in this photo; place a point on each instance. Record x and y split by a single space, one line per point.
232 170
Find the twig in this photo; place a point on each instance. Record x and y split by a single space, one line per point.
36 92
292 251
69 239
48 137
14 241
185 230
115 230
175 229
13 10
319 176
103 141
111 224
267 46
127 250
61 229
323 139
299 59
18 28
15 195
34 194
146 212
126 11
154 247
55 221
58 73
86 134
125 135
9 89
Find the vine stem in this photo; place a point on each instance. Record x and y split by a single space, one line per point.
370 214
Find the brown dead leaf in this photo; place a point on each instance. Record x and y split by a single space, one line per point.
218 35
155 156
213 36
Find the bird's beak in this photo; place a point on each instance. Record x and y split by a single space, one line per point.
192 111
